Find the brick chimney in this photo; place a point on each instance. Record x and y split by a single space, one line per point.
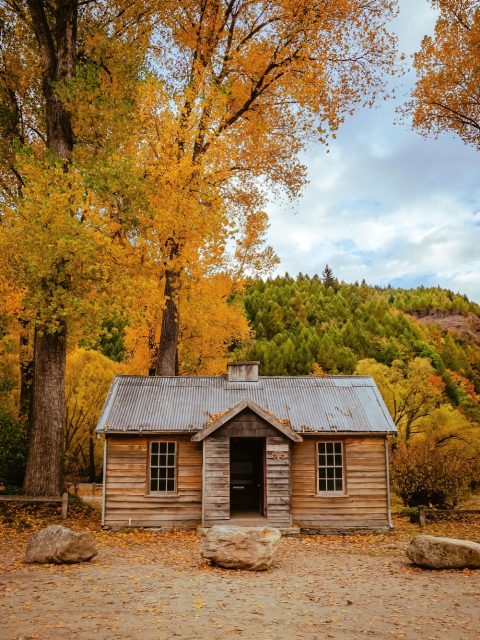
243 371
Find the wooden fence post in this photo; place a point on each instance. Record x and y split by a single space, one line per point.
65 505
422 516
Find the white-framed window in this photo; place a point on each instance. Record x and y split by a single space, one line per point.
330 463
163 458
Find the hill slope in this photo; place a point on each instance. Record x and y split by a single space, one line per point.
303 326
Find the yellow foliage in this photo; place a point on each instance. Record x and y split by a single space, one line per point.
89 375
210 323
410 390
317 370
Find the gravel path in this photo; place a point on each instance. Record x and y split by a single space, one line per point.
155 587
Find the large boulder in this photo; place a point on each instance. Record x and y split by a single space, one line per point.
57 544
241 547
444 553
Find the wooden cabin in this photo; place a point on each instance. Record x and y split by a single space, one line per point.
305 451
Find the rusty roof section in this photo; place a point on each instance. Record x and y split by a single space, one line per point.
306 403
218 421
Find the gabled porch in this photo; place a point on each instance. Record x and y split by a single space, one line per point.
246 468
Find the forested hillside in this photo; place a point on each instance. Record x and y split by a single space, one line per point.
307 325
302 322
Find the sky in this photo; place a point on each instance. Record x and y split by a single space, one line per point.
386 204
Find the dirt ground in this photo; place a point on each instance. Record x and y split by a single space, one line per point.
154 586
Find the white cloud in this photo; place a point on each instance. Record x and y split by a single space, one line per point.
386 204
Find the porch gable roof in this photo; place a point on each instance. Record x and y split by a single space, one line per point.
222 419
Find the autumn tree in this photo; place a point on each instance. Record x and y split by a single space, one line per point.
447 94
89 375
411 390
58 230
425 474
249 84
56 39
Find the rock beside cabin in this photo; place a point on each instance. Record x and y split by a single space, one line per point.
231 547
59 545
444 553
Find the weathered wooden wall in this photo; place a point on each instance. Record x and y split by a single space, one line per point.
217 470
366 501
278 481
127 497
291 481
216 490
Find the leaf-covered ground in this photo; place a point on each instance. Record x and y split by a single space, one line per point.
154 586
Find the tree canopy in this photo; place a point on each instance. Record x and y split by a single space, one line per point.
447 94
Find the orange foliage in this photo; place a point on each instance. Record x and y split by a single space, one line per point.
447 94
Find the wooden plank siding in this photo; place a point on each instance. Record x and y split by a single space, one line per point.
127 497
278 481
216 475
365 503
204 467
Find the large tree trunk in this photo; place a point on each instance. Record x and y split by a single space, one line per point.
44 473
167 360
56 33
55 28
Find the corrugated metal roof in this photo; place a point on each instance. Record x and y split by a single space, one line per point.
326 403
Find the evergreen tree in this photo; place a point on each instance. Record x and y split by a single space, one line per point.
328 278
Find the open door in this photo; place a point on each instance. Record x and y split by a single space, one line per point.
247 475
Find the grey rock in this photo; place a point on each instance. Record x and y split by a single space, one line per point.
233 547
59 545
444 553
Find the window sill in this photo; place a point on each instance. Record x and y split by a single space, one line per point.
331 494
163 495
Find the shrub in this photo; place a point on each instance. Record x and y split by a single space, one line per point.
13 450
424 474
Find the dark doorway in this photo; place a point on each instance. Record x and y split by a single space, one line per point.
247 475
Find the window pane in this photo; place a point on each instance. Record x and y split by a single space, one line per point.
162 466
330 466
